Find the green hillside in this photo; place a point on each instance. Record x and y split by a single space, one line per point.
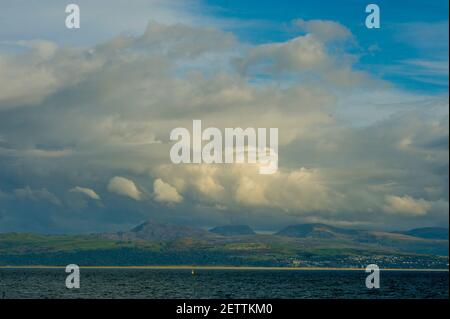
307 246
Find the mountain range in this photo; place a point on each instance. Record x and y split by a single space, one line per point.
153 243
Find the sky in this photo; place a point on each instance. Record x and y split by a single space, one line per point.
85 114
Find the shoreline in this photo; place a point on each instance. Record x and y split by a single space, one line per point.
243 268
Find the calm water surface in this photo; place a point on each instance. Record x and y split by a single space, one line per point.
170 283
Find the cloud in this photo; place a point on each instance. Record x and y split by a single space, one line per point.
29 77
34 152
299 54
249 192
101 19
108 109
429 36
320 55
430 41
296 191
42 194
406 205
324 29
164 192
124 187
86 191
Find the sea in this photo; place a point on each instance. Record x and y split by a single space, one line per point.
218 283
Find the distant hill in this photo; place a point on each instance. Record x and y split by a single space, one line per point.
428 232
316 231
233 230
160 232
424 240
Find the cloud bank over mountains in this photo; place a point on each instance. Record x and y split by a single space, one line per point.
84 133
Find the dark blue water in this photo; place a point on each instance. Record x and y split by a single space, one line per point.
168 283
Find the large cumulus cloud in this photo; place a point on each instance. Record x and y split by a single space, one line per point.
88 116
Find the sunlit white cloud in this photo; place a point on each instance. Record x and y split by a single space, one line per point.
164 192
124 187
86 191
406 205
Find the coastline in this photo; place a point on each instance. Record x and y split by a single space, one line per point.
243 268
